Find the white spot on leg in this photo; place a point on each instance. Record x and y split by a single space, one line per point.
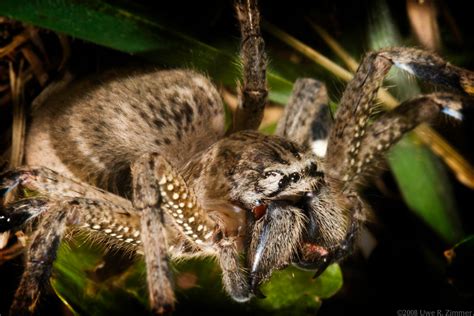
319 147
453 113
404 67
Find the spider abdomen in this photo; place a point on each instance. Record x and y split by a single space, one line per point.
96 130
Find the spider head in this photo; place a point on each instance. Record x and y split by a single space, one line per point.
270 191
260 168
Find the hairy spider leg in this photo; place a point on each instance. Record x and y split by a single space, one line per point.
391 126
253 93
356 106
147 200
41 255
307 119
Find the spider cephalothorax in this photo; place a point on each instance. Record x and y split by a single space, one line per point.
194 189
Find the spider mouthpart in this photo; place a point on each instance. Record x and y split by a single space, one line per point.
314 248
322 268
255 286
259 210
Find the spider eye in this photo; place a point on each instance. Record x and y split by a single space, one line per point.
283 182
259 210
295 177
313 171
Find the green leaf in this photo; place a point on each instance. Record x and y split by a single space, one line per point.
425 187
198 286
83 295
295 291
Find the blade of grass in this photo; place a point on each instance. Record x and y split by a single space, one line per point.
309 52
17 78
350 62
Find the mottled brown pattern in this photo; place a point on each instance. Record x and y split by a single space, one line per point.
40 258
349 135
147 200
256 202
121 115
391 126
353 114
253 93
306 117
